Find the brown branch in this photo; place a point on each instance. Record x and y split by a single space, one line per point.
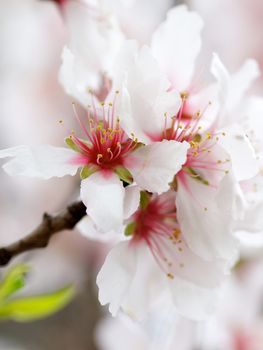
40 236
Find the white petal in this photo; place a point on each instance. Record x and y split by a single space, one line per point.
39 161
192 301
253 219
76 78
243 157
94 41
223 79
231 89
130 279
131 200
206 218
94 35
148 285
241 81
176 44
153 167
103 196
88 229
146 98
182 262
116 275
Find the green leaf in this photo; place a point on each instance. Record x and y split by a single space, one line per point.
36 307
130 228
86 171
124 174
13 281
71 144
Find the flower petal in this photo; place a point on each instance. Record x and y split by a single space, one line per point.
153 167
178 260
205 217
131 200
145 98
131 280
103 195
231 89
243 157
88 229
115 276
241 81
92 33
39 161
176 44
192 301
76 78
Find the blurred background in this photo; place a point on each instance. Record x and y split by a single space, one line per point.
32 35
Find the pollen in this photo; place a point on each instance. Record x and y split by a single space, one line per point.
170 275
105 143
184 95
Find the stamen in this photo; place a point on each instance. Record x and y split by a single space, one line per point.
99 156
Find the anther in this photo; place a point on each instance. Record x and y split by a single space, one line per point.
99 156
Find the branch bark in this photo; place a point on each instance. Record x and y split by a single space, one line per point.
40 236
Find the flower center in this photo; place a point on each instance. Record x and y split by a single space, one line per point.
203 155
106 144
155 223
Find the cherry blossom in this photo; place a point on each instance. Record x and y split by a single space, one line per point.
97 30
106 156
155 262
213 168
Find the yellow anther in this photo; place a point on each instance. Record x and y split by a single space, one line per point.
184 95
60 121
208 135
170 275
176 233
194 144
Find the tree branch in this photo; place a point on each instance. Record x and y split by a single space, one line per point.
40 236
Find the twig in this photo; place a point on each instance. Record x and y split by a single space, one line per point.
40 236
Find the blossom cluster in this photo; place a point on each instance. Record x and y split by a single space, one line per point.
169 161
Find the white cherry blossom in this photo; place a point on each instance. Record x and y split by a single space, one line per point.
207 184
106 155
156 262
